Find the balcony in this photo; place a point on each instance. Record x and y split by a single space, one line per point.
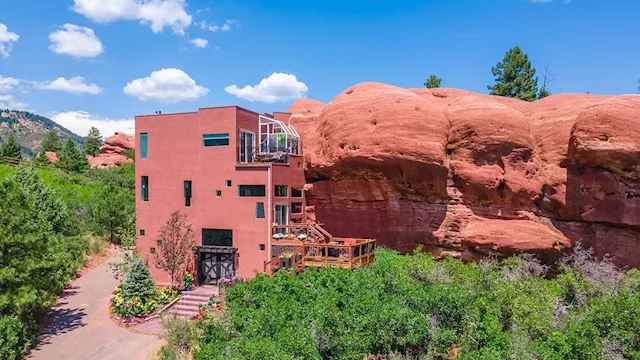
276 142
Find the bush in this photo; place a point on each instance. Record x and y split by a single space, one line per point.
138 283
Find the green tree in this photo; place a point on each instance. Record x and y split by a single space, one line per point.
433 82
112 213
176 240
71 159
138 282
543 93
11 147
52 142
515 77
92 142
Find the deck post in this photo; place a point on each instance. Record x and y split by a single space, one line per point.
360 253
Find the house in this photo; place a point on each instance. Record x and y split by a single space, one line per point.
233 172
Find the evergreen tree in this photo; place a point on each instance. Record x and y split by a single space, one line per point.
52 142
433 82
543 93
515 77
138 282
92 142
71 159
112 213
11 147
42 159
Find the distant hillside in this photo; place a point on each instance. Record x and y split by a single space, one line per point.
31 129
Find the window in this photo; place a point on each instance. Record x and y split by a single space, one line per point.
299 165
217 237
187 193
218 193
215 139
281 191
159 243
259 210
251 190
141 232
262 247
143 145
296 193
152 250
228 183
144 188
296 208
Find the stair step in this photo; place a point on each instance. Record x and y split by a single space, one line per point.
191 302
186 308
184 314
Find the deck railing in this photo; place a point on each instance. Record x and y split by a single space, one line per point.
342 252
299 233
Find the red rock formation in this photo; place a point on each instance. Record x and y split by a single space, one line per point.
52 156
111 152
473 174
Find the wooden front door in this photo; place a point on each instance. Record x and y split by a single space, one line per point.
216 263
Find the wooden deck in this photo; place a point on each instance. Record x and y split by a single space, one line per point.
341 252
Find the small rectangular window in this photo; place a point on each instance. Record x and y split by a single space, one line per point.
152 250
296 208
251 190
281 191
159 243
215 139
296 193
259 210
299 165
217 237
144 188
228 183
218 193
187 193
141 232
144 144
262 247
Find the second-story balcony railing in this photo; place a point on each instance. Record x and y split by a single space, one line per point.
269 152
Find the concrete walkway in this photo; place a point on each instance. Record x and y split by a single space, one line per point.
79 326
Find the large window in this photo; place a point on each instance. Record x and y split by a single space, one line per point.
251 190
215 139
144 144
217 237
187 193
281 191
144 188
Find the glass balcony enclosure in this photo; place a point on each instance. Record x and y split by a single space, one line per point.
277 141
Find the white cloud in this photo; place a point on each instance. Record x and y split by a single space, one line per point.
74 40
213 27
9 102
75 85
158 13
199 42
7 84
166 85
7 38
81 121
278 87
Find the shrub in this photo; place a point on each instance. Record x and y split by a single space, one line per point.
138 283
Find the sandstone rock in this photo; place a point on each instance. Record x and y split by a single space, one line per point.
51 155
110 149
121 140
470 175
107 160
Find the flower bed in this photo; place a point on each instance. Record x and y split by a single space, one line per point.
212 305
138 309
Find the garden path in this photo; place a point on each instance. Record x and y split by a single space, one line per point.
79 326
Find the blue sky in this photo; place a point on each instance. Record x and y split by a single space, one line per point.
103 52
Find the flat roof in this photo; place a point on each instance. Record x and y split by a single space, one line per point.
214 107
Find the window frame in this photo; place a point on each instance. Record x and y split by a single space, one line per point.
263 213
144 188
144 145
226 232
301 208
187 191
223 137
264 192
286 191
301 193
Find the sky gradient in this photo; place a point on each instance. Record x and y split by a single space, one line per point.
92 62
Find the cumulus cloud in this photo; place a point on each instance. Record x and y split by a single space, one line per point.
7 38
75 85
9 102
8 84
81 121
166 85
278 87
199 42
77 41
157 13
213 27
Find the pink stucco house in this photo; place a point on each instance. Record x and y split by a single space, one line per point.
233 172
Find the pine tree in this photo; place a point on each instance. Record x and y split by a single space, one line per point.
515 77
138 282
71 159
92 142
11 147
433 82
111 213
52 142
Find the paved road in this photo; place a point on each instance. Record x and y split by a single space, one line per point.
79 326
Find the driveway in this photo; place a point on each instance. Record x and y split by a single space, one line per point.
79 326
